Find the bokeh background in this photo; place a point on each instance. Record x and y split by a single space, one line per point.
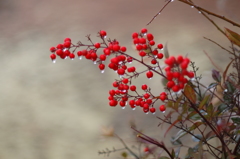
57 111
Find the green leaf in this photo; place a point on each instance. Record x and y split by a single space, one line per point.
190 93
236 120
204 101
233 36
180 134
195 125
222 107
209 111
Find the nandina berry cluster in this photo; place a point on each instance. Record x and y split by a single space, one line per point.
176 72
124 91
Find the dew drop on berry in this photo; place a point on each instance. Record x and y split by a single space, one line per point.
123 107
149 78
120 76
163 111
102 71
80 57
153 113
146 113
94 62
133 108
54 61
192 6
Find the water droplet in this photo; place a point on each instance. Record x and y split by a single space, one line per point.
80 57
172 0
105 37
155 68
120 76
54 61
200 12
146 113
154 113
129 62
159 13
133 108
192 6
163 111
123 107
225 90
149 78
102 71
94 62
72 58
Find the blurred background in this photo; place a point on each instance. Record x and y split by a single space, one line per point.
58 111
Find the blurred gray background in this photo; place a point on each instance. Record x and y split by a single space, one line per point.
57 111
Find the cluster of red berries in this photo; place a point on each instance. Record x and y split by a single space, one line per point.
176 72
144 43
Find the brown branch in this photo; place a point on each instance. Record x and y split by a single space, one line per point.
210 13
159 12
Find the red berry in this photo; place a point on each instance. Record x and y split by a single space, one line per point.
149 101
160 56
59 46
72 56
53 56
169 76
124 67
152 110
144 87
112 92
149 74
101 66
115 84
116 47
142 40
121 71
154 61
160 46
84 52
142 53
175 88
134 35
122 103
131 102
155 52
59 52
190 74
67 39
67 52
146 95
129 59
162 108
113 103
52 49
170 84
162 97
67 44
145 106
107 51
125 80
139 47
110 98
136 40
150 37
97 45
133 88
123 49
102 57
131 69
144 30
151 42
102 33
114 60
179 59
184 65
164 93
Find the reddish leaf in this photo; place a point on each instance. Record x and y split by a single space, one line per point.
190 94
233 36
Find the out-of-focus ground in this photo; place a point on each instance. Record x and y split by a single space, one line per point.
56 111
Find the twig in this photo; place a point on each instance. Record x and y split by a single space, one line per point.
212 61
